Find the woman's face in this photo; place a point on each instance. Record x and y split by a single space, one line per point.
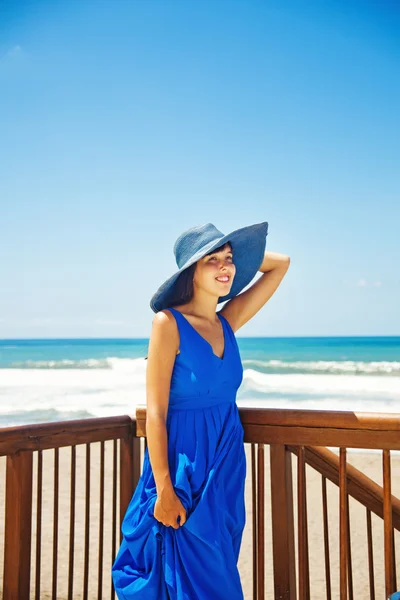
212 270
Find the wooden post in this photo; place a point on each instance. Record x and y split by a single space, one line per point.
129 469
282 523
18 526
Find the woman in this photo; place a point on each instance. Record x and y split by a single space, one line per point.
183 527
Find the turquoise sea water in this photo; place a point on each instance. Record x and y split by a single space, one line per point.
56 379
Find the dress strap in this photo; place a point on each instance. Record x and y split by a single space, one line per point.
175 312
179 318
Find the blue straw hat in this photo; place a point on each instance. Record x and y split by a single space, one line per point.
248 246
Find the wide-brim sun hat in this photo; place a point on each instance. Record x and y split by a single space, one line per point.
248 247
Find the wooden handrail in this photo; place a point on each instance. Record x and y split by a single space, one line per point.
326 419
321 428
344 429
43 436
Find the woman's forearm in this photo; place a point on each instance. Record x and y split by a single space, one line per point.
157 443
274 260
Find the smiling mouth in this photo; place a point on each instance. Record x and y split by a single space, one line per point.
223 279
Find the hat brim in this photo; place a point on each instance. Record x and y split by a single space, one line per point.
248 246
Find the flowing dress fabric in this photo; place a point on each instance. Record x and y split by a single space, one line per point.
207 462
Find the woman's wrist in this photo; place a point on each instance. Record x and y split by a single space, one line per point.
165 486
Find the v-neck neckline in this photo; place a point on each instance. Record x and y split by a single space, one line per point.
204 339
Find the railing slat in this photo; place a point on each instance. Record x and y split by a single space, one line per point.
137 459
343 524
370 557
394 557
114 512
72 524
326 541
254 520
101 525
126 477
304 592
349 561
388 526
87 526
260 524
55 522
38 557
306 537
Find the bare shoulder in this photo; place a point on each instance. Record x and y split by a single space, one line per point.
164 322
163 316
165 330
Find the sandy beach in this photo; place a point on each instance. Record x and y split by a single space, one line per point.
369 463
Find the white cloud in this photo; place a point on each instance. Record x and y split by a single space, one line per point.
365 283
71 322
362 283
15 50
110 322
39 321
12 53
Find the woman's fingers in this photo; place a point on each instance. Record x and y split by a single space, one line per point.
178 522
165 517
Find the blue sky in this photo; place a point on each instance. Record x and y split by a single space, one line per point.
124 123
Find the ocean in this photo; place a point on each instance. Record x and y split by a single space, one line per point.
57 379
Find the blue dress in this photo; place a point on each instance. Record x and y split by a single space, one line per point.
207 462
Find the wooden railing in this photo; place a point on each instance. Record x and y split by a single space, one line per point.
292 439
21 445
